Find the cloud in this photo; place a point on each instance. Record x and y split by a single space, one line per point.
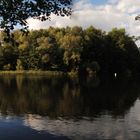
115 13
76 129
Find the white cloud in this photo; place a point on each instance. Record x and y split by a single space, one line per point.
76 129
115 13
129 6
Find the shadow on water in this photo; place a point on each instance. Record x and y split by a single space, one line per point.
68 98
112 96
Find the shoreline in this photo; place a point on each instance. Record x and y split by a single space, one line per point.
38 73
33 72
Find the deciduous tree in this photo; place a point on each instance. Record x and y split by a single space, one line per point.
16 12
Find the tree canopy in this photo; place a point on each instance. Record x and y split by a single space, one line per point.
16 12
71 49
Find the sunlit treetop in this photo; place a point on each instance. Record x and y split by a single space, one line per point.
16 12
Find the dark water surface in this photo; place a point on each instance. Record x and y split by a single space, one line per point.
48 108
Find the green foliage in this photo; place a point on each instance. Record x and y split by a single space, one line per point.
19 65
72 50
7 67
16 12
124 52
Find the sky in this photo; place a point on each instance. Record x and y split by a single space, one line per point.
98 2
103 14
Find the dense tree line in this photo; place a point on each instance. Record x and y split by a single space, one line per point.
69 49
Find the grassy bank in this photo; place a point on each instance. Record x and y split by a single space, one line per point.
38 73
32 72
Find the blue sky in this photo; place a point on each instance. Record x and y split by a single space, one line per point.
98 2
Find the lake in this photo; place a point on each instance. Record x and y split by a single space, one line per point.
60 108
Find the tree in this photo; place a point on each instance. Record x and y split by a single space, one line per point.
94 47
72 45
10 55
86 51
16 12
124 55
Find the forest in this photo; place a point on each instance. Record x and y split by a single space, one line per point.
71 49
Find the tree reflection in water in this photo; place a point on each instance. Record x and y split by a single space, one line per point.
64 97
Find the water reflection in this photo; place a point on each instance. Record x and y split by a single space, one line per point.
83 109
62 97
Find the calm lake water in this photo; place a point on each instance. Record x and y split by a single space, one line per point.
50 108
